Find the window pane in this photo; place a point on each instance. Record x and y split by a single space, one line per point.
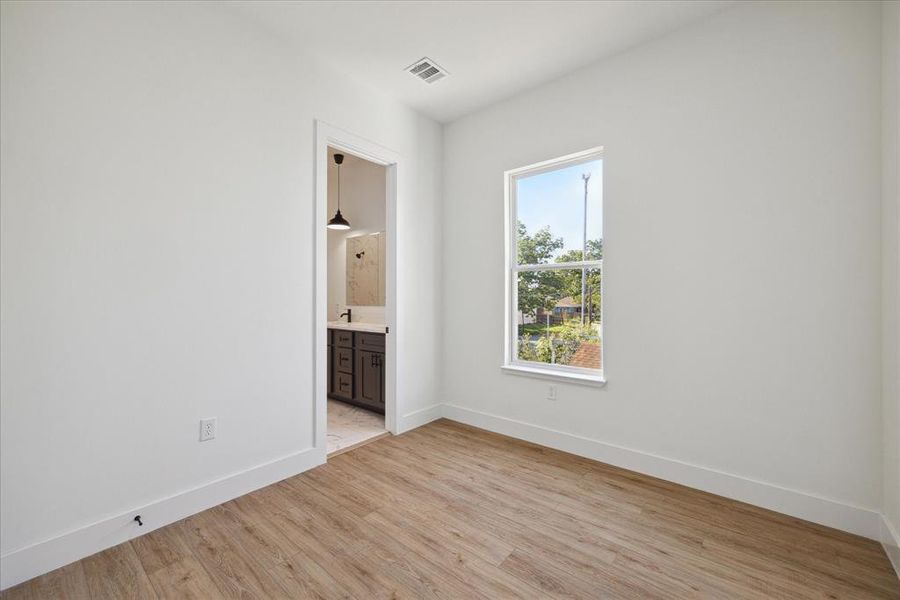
553 325
551 209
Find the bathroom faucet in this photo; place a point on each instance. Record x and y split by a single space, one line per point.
346 314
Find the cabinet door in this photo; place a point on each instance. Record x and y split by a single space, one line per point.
370 378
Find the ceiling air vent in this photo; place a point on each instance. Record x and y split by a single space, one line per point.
427 70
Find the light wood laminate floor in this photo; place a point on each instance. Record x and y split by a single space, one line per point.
449 511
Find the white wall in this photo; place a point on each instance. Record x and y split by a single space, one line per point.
742 258
157 244
891 276
363 203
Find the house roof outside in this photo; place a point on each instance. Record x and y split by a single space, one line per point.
587 356
568 302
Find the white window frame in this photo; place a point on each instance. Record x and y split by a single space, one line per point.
511 364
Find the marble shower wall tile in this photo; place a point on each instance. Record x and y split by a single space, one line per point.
365 270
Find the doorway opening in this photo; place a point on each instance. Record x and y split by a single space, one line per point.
355 275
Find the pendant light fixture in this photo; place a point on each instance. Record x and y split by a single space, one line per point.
338 221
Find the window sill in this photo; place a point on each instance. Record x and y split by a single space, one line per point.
591 380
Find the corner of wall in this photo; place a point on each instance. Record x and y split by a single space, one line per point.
890 539
890 181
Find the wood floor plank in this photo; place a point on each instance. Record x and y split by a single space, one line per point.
408 575
403 487
117 573
172 568
22 592
351 499
383 493
450 534
66 583
339 564
264 541
554 581
449 511
235 572
305 579
457 561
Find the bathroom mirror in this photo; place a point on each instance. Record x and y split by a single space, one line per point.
365 270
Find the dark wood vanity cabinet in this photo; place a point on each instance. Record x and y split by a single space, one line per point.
356 368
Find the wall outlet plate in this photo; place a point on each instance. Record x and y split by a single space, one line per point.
207 429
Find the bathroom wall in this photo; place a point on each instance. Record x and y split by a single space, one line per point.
363 205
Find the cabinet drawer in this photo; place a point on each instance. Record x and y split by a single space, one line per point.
343 338
370 341
343 385
343 360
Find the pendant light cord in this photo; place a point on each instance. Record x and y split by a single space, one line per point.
339 187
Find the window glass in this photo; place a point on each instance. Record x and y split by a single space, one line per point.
556 265
550 328
553 214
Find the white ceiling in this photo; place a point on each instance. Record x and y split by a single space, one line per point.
492 49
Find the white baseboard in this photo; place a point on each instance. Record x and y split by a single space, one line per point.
890 539
21 565
853 519
417 418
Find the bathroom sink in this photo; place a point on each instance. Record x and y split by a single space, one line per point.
368 327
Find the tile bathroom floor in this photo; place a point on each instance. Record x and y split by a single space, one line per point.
349 426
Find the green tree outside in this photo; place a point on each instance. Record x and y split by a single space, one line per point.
542 290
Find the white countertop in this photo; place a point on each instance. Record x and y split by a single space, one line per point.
368 327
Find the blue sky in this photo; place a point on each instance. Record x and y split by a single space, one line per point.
557 199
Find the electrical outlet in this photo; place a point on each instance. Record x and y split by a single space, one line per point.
551 393
207 429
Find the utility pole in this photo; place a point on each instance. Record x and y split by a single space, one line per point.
586 177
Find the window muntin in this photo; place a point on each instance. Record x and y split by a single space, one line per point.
555 265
